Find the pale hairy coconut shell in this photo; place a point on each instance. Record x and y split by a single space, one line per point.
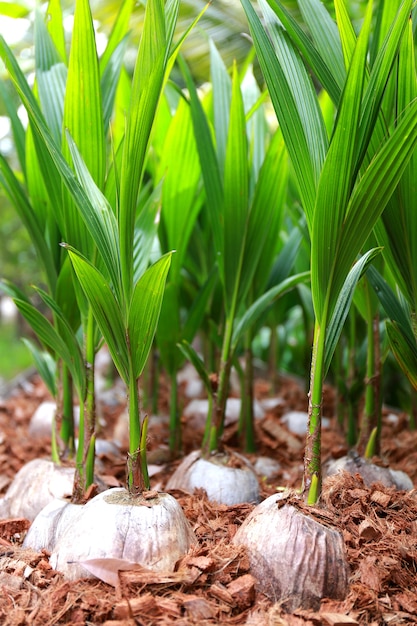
223 484
296 560
35 485
50 523
371 473
114 525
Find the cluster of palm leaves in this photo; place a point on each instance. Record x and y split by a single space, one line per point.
244 221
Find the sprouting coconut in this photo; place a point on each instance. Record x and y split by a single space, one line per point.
226 478
370 472
295 559
35 485
149 529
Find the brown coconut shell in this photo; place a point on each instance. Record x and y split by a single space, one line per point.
295 559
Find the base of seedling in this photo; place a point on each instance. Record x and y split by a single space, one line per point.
150 530
296 560
227 478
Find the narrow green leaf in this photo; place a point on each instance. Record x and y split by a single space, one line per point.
45 140
45 365
285 259
198 309
12 290
253 313
146 229
209 164
236 197
222 94
172 8
179 168
168 332
110 81
146 89
190 354
101 221
404 351
117 34
83 116
67 333
375 187
144 311
303 92
346 31
397 311
106 310
343 304
51 77
377 85
325 37
51 339
13 9
265 217
17 127
304 44
285 106
19 199
334 190
41 196
55 25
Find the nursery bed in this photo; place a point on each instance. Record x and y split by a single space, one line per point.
213 584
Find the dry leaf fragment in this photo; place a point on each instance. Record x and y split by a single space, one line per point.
108 570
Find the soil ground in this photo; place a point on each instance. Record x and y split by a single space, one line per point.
379 527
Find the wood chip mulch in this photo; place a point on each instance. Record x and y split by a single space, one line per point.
213 583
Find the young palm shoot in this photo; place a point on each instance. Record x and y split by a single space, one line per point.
126 309
341 211
343 193
240 222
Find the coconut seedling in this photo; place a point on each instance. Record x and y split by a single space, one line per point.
395 231
126 310
49 214
241 196
344 185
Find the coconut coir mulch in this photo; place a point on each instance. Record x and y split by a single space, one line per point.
213 584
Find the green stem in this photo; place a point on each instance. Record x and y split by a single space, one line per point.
137 468
90 409
312 456
67 425
84 461
79 476
223 385
340 384
273 357
371 419
174 422
248 433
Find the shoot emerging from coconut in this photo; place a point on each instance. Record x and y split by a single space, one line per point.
341 210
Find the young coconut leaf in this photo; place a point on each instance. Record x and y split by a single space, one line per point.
129 332
340 222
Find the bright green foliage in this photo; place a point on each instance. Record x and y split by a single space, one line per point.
79 99
343 195
243 206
